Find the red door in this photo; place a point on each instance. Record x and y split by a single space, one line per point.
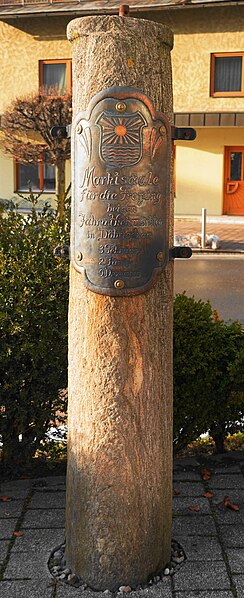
234 181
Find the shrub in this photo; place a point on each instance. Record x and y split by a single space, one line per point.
208 379
226 407
33 328
193 353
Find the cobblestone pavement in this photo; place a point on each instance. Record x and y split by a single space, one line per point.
32 524
231 235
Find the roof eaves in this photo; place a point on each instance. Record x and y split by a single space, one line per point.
93 7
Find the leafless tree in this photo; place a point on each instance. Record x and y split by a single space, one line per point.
26 127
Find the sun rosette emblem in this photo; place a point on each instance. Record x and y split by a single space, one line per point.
121 138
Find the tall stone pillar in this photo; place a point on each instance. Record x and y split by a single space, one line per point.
120 355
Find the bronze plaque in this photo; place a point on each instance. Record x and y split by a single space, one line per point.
121 164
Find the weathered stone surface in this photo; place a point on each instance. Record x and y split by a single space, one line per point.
48 500
202 549
3 550
28 566
43 518
188 489
7 528
120 358
195 524
235 538
236 559
204 594
10 509
202 576
186 504
24 589
38 540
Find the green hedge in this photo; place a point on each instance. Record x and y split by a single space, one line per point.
33 329
208 353
208 373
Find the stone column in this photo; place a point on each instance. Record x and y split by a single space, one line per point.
119 482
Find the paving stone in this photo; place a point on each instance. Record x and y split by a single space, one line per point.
47 500
229 517
235 496
44 519
51 481
7 528
25 589
207 594
3 549
189 475
15 490
202 576
198 548
193 525
189 488
24 484
227 468
184 462
41 540
26 566
184 504
66 591
239 583
11 509
226 481
232 537
236 559
161 590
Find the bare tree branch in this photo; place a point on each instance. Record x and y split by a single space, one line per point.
26 127
36 115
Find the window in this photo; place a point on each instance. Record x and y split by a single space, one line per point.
40 177
55 74
235 166
227 74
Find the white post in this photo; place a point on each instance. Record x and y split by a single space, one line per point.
204 220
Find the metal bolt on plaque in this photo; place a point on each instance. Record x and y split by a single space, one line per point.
121 166
119 284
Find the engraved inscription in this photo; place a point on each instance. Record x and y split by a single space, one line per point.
120 192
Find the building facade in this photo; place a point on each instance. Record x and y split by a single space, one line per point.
208 85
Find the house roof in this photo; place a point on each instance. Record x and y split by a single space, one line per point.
20 8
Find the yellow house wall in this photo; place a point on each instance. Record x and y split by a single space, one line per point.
200 170
22 45
197 33
217 32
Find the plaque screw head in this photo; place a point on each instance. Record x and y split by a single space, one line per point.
184 252
120 106
160 256
119 284
79 256
79 129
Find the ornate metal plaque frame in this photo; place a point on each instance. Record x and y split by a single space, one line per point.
121 174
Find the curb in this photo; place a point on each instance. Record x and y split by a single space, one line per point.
199 250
